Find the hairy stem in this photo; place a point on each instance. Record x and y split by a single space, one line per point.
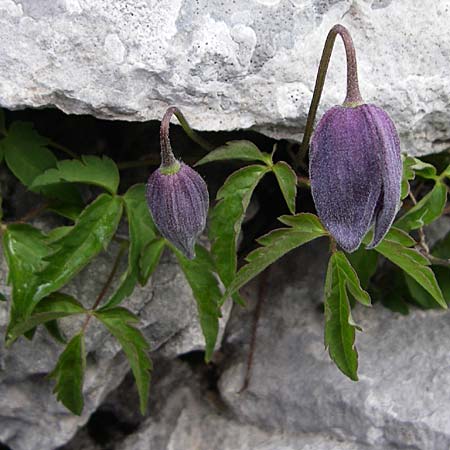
167 157
353 96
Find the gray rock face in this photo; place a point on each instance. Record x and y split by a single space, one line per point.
30 417
401 400
190 418
228 65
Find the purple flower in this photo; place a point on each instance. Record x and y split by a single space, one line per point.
178 200
355 171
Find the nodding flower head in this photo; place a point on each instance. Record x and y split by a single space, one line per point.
177 197
355 170
355 163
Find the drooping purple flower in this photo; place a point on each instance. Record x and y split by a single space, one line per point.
178 203
177 195
355 171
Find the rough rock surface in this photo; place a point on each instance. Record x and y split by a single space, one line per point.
30 417
227 64
297 399
401 400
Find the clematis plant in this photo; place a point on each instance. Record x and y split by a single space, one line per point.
355 164
177 196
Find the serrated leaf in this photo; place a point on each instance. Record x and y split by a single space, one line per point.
150 256
427 210
242 150
24 248
339 325
69 375
91 233
118 321
287 179
275 245
55 306
90 169
414 264
199 273
227 216
142 231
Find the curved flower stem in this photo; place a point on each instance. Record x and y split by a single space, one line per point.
167 157
353 97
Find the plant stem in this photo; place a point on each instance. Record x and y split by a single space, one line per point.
167 157
63 149
262 288
106 286
421 232
353 96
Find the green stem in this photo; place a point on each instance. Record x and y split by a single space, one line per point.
63 149
353 97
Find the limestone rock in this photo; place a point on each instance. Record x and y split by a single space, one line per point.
401 399
227 65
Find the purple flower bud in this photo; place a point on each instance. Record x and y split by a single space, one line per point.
355 171
178 200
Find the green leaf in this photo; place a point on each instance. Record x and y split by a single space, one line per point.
142 231
446 172
150 257
339 325
24 248
94 170
351 279
227 216
118 321
287 179
413 263
365 263
55 306
427 210
243 150
418 294
91 233
52 327
26 153
199 273
408 174
276 244
27 157
424 170
57 233
2 151
69 375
